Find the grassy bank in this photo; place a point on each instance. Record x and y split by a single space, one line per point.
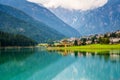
92 46
89 48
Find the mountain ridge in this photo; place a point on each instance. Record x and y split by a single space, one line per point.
100 20
9 23
43 15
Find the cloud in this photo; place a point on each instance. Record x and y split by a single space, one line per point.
72 4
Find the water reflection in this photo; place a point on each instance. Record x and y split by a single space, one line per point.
112 55
17 54
39 64
30 64
91 66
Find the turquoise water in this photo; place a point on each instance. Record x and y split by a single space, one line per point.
39 64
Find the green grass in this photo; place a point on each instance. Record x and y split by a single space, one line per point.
89 48
96 46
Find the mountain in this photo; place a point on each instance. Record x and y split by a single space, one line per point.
43 15
96 21
7 39
17 22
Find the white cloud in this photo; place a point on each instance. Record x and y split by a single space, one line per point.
72 4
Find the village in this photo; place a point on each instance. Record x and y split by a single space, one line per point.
108 38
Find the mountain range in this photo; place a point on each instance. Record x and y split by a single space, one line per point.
43 15
17 22
75 22
96 21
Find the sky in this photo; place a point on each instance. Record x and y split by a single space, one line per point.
81 5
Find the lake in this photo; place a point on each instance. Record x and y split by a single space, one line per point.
40 64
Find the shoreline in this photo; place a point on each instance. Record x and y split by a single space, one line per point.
10 47
88 47
94 48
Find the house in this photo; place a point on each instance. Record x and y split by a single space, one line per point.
108 34
118 32
99 35
88 42
66 43
114 40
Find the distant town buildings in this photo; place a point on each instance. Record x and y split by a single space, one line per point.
108 38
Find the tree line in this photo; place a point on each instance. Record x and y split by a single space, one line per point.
9 39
